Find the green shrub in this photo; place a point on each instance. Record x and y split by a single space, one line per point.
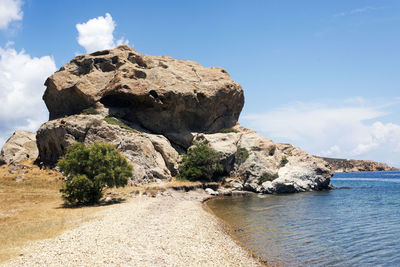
227 130
90 111
201 163
114 121
90 170
267 177
284 161
241 155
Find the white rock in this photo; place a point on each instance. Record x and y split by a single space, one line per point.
295 170
211 192
19 147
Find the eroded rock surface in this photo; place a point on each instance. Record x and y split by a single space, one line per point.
19 147
268 167
152 156
170 103
161 94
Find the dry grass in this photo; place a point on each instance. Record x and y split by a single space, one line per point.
177 182
154 189
31 209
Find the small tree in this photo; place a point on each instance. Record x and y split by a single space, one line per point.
89 170
201 163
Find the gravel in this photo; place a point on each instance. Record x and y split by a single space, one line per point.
171 230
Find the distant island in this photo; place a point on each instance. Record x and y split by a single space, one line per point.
353 165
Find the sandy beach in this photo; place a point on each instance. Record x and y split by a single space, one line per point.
173 229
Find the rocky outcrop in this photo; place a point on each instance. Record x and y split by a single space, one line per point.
352 165
167 104
257 164
152 156
252 161
161 94
19 147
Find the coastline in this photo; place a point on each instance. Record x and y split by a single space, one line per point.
229 230
174 228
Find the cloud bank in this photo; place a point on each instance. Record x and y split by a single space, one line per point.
97 34
348 131
21 90
10 10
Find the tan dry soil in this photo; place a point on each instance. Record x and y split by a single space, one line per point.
169 230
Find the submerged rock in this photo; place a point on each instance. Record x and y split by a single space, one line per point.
161 94
19 147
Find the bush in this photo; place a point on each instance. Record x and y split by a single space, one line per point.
227 130
90 170
267 177
201 163
241 155
90 111
114 121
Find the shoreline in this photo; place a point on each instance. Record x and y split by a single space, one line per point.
174 228
228 229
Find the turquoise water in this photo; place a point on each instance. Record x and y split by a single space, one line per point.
343 227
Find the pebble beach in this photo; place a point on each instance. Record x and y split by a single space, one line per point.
169 230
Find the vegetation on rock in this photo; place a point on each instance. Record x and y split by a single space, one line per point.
241 155
227 130
90 111
201 163
114 121
267 177
90 169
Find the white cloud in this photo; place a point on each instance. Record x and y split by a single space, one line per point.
21 90
353 130
356 11
97 34
10 10
380 134
333 150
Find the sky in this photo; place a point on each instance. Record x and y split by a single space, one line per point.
321 75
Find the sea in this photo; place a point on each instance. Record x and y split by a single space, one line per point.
357 224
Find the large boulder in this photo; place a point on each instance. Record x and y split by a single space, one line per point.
161 94
152 156
264 166
19 147
170 103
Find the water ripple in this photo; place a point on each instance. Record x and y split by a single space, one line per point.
356 227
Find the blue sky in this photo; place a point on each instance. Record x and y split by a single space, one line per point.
322 75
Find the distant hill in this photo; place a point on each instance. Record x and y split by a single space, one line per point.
352 165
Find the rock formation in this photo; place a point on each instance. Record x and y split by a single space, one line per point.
268 167
19 147
152 155
153 108
161 94
352 165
